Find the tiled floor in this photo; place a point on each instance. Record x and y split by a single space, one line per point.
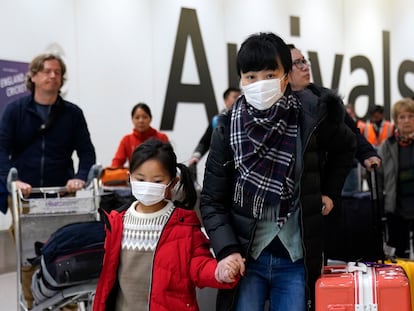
8 291
8 286
7 253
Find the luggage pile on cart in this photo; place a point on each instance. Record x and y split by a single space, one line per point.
69 262
72 256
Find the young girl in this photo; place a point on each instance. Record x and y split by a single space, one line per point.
155 252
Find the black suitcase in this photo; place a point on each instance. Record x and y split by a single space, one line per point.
353 230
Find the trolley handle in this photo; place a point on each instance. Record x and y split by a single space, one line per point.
49 190
95 172
11 177
14 176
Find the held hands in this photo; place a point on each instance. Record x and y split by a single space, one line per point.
228 268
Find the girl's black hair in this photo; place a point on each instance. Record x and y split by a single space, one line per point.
263 51
154 149
142 106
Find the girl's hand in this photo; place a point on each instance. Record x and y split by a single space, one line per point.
228 268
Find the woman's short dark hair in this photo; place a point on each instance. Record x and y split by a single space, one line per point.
263 51
142 106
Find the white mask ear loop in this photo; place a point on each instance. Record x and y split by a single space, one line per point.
168 185
282 79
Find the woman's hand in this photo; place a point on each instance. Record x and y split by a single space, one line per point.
327 205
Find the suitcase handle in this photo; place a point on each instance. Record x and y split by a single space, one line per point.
374 186
356 266
378 212
334 269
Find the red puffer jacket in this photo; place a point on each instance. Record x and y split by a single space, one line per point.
182 262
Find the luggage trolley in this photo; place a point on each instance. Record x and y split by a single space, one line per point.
37 217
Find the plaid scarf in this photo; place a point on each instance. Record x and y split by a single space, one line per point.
264 146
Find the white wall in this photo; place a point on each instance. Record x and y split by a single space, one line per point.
125 51
120 52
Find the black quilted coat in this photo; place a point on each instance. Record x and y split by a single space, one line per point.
328 147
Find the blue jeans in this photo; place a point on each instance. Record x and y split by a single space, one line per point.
276 279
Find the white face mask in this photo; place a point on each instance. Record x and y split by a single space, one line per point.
148 193
263 94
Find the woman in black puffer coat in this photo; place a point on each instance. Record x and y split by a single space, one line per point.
327 152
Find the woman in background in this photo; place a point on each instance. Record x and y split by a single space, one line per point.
397 178
141 119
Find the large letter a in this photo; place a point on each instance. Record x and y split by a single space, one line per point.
190 93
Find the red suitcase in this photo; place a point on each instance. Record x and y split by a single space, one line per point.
357 287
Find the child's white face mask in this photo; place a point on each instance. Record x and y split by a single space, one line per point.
263 94
148 193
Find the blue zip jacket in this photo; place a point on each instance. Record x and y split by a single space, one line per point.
44 159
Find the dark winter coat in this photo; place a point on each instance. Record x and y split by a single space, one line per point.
44 157
328 148
364 149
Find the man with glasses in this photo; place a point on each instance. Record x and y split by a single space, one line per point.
299 79
366 155
38 135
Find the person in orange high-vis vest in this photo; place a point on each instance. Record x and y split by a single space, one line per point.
359 123
377 129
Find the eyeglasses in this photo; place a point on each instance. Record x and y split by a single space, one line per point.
301 63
